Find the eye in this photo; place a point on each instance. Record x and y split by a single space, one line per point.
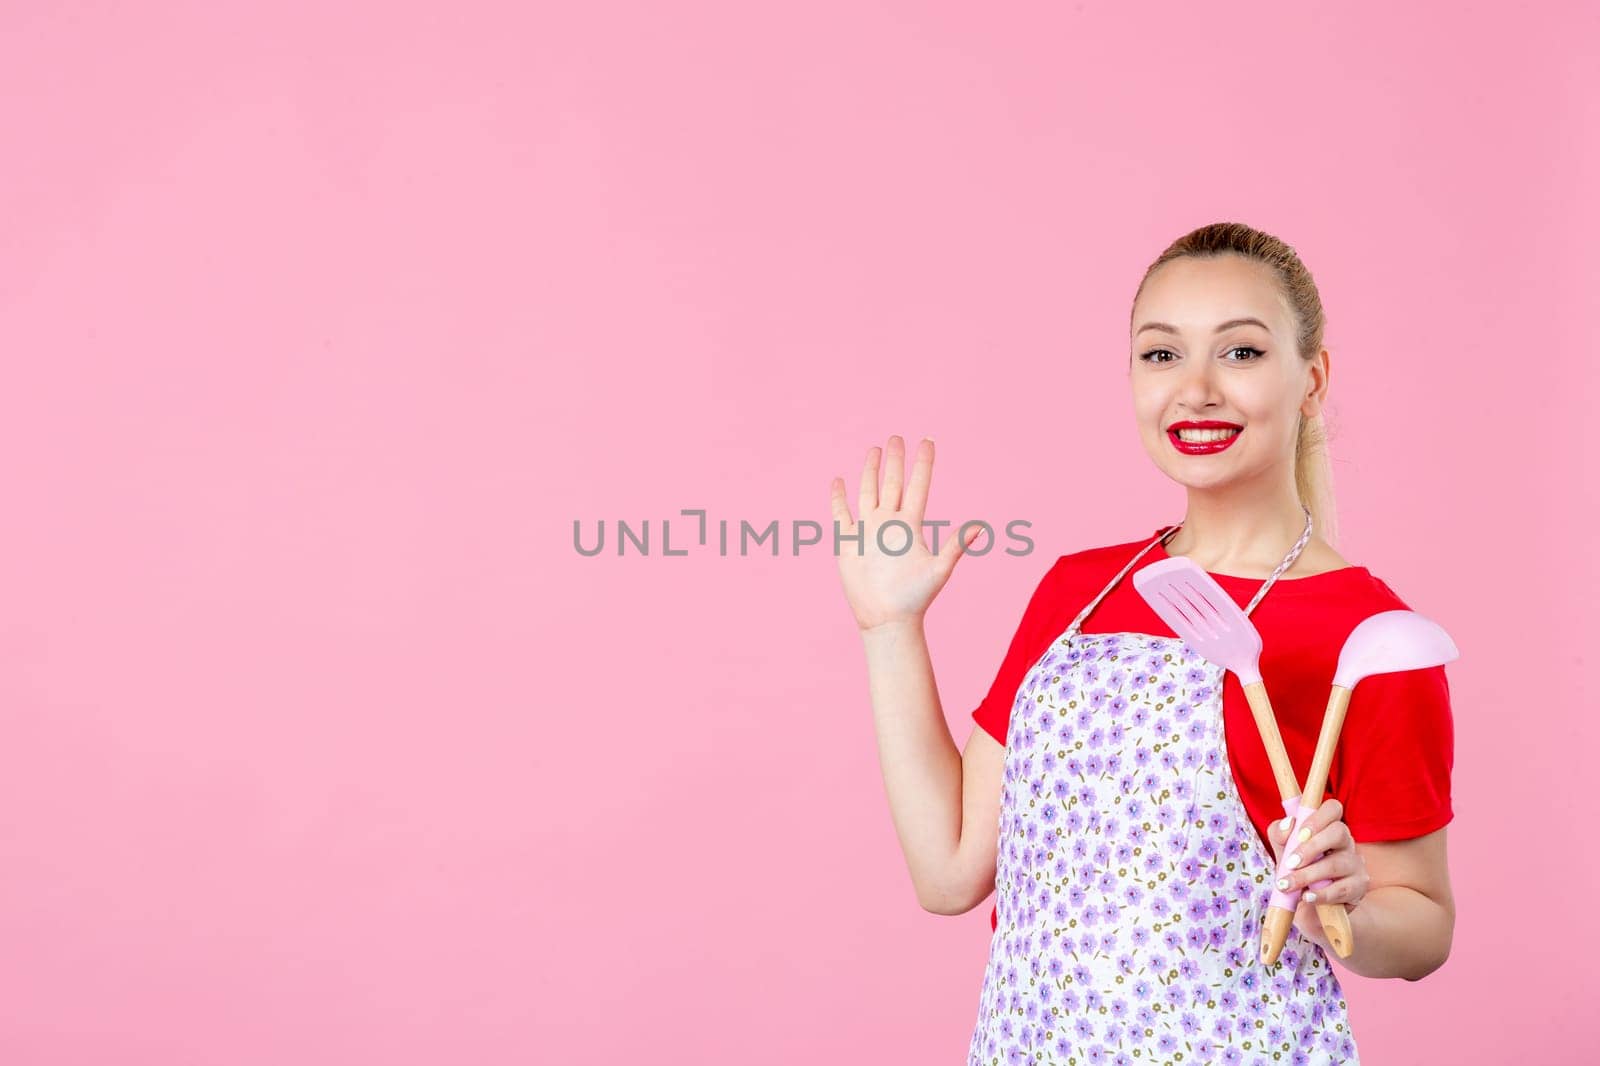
1252 353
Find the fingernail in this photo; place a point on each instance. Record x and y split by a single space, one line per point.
1310 897
1283 884
1294 861
1305 834
1288 824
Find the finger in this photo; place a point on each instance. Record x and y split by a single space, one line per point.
1304 853
1278 837
1328 812
840 507
1346 890
867 497
1334 865
917 489
955 548
894 473
1335 837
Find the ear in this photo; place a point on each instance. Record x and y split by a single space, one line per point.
1317 388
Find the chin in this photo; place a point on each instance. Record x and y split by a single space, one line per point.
1189 479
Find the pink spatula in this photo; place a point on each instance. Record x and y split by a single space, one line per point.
1205 617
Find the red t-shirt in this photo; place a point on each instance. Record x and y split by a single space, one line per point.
1391 769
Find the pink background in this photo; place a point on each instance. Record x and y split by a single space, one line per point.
321 327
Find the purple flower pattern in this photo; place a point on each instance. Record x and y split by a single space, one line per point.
1130 881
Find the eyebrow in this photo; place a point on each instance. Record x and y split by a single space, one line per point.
1165 328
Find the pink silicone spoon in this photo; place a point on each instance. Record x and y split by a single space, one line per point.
1384 643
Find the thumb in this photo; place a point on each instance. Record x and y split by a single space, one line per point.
959 545
954 548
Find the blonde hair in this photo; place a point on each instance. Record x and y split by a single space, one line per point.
1313 473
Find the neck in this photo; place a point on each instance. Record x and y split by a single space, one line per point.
1240 529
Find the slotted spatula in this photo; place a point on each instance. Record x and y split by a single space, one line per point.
1205 617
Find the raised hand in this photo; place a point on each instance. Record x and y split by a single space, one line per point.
884 588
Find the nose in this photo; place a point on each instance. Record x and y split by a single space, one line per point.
1197 385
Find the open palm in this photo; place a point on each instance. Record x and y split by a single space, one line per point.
883 587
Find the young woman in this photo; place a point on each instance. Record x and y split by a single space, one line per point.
1116 795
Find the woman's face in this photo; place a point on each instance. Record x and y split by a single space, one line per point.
1195 360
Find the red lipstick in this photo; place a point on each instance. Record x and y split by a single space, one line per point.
1210 447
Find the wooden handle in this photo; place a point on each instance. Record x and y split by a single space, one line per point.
1335 917
1274 931
1327 740
1336 927
1267 726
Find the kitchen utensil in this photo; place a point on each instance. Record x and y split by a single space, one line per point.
1383 643
1207 619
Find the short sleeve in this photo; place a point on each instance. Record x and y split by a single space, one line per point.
1391 769
1033 634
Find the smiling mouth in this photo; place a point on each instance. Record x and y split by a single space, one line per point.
1205 436
1207 441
